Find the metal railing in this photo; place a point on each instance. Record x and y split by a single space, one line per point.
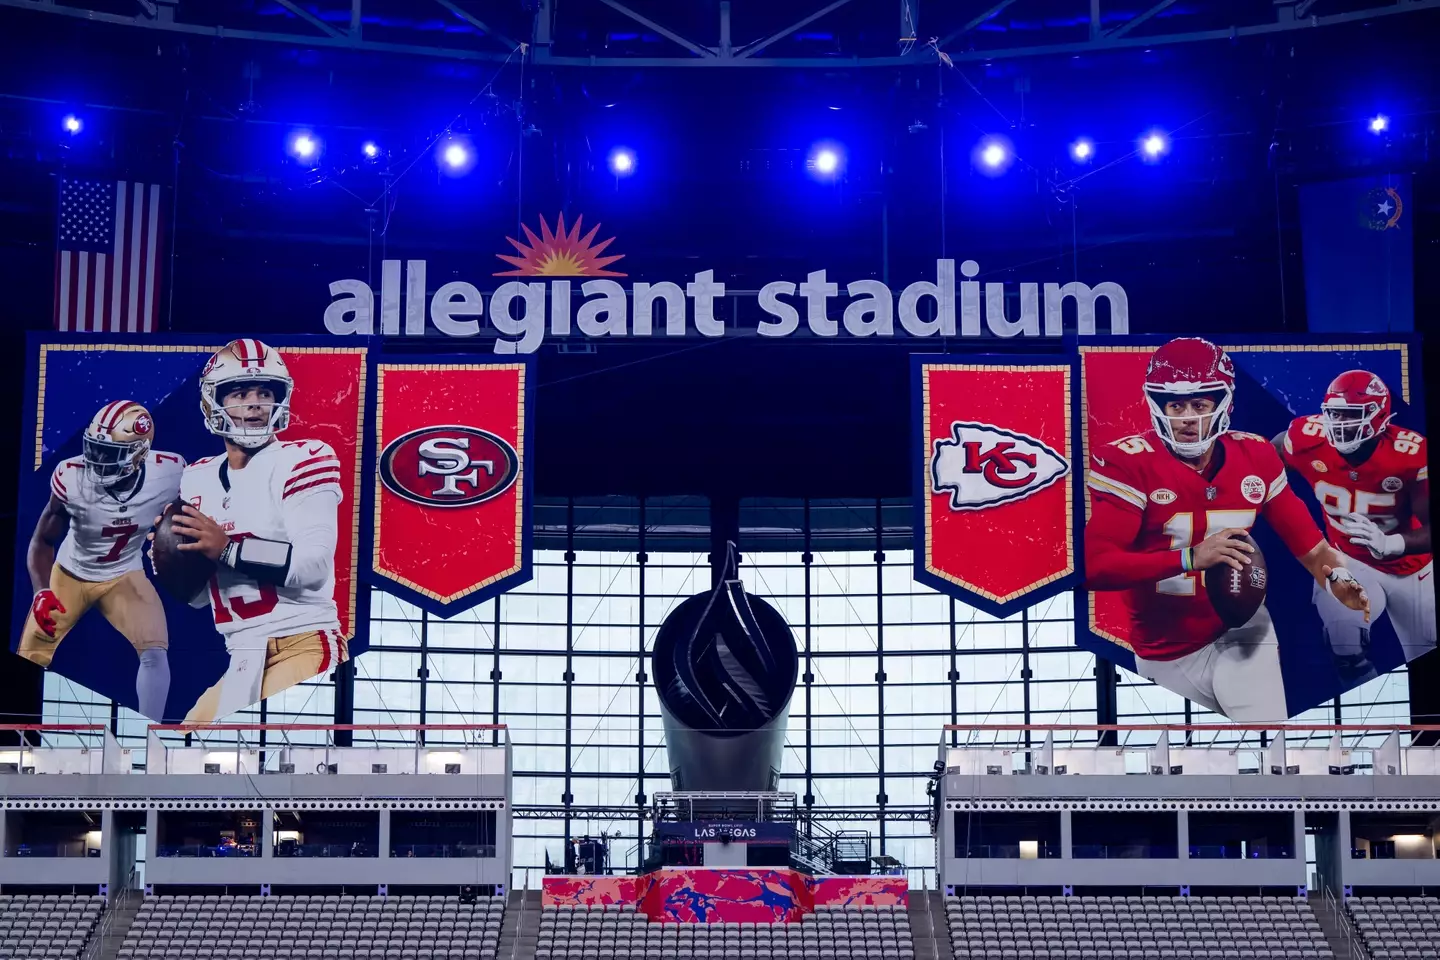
1355 947
520 919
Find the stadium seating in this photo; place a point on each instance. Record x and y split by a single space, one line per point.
1135 928
618 932
310 928
45 926
1398 927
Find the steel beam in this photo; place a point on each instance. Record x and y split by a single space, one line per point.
800 24
665 32
956 34
475 22
357 23
308 17
1135 21
706 58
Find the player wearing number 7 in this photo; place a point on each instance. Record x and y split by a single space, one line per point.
1370 478
1165 506
265 512
85 551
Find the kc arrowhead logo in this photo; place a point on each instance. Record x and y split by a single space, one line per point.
982 466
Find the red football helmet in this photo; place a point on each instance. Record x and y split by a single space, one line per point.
1185 368
1356 409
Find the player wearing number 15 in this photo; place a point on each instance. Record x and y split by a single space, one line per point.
1370 478
265 512
1166 507
85 551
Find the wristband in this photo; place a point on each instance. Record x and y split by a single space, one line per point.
1187 559
1394 545
231 551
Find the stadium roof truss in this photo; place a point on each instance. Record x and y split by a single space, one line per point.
823 34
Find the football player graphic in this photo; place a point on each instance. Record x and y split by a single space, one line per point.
266 511
1370 478
1166 505
85 551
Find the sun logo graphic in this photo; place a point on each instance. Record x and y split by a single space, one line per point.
560 253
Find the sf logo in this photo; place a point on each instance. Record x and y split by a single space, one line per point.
449 458
1000 464
449 466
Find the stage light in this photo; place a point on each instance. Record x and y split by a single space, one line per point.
456 155
370 149
1082 150
992 156
622 162
1379 123
72 124
827 161
1154 145
305 146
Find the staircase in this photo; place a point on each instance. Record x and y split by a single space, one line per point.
520 930
928 927
113 926
1344 942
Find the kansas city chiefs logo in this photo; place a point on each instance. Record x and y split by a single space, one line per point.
448 466
983 465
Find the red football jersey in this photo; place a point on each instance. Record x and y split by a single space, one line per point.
1383 487
1178 508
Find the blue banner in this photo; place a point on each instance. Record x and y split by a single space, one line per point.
1359 263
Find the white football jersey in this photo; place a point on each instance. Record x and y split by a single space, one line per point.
291 477
107 530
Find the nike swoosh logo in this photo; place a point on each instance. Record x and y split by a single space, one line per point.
1423 576
316 449
1100 461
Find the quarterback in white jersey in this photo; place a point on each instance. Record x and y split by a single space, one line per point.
85 551
266 511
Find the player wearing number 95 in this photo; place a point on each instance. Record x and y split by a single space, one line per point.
1166 504
265 511
85 551
1370 478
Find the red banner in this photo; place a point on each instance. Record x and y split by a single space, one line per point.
995 522
452 503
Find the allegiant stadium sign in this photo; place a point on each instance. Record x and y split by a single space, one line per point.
520 314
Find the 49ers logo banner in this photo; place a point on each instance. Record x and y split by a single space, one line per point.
995 488
452 504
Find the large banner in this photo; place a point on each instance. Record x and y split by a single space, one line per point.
255 450
1317 452
995 491
452 505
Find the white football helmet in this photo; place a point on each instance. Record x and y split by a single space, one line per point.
117 441
243 363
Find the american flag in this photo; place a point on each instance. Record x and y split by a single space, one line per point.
107 261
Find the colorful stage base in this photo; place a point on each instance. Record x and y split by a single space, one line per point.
726 896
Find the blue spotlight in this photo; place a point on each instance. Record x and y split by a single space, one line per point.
1082 150
622 162
1379 123
72 124
1154 145
305 146
370 149
993 155
455 155
826 161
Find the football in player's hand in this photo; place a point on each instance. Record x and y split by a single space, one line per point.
1236 595
183 573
